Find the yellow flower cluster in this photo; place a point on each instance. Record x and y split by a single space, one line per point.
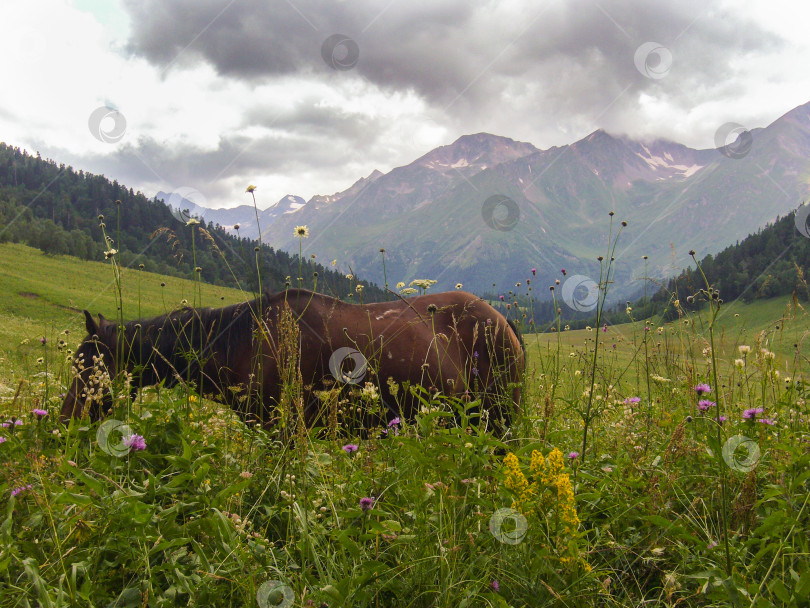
565 501
550 495
547 474
517 483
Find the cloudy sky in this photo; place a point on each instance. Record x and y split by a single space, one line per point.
305 97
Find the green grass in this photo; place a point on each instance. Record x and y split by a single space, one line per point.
663 511
778 324
44 295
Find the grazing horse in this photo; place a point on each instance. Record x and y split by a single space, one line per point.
254 355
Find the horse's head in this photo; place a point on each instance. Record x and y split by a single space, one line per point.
94 367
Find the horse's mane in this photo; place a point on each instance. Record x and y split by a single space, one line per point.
175 344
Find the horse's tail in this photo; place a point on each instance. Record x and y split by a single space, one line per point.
518 334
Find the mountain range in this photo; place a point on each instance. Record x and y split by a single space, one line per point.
487 209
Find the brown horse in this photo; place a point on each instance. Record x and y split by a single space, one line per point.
254 354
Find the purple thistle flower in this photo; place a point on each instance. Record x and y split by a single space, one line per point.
705 404
501 298
8 423
534 271
496 586
604 328
573 455
632 400
751 413
768 421
17 491
721 419
563 271
43 341
135 443
350 447
39 412
366 502
394 422
700 389
3 439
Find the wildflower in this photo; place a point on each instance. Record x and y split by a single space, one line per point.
43 341
236 226
516 482
744 349
40 360
459 285
628 310
501 298
705 404
110 253
553 467
496 586
720 419
366 502
358 288
769 421
250 188
565 499
700 389
370 392
573 455
632 400
350 447
423 283
739 363
2 439
39 412
751 413
408 291
563 271
192 221
135 443
245 474
348 276
604 328
302 232
400 285
17 491
394 422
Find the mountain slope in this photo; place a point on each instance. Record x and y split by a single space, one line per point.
428 214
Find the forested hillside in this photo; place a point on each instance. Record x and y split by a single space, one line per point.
56 209
773 262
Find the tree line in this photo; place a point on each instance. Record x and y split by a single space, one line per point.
58 210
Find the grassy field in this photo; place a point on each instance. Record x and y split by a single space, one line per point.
619 484
44 295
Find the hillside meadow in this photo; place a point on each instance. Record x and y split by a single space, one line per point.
658 472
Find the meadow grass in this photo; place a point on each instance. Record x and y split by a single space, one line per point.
668 507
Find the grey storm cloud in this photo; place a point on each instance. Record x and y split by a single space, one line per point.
459 55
